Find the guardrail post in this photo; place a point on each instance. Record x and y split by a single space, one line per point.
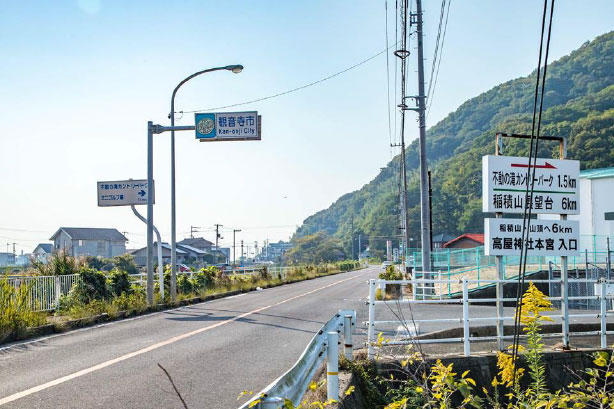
348 346
271 402
371 329
565 301
58 292
466 333
332 366
602 313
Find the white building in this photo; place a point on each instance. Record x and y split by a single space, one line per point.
596 209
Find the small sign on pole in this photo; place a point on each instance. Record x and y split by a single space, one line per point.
123 193
503 237
227 126
504 185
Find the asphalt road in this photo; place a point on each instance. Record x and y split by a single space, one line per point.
212 350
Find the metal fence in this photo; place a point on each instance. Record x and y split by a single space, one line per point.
602 298
595 253
45 291
293 384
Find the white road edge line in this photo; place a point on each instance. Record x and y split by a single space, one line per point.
30 391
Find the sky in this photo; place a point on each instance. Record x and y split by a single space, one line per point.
81 78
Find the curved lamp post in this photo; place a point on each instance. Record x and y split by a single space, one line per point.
235 69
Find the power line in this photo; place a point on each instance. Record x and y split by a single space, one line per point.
529 190
433 81
293 89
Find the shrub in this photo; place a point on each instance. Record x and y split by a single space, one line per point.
91 286
263 273
391 273
136 301
126 263
184 285
119 282
16 310
59 263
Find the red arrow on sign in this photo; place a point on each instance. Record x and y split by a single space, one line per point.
524 165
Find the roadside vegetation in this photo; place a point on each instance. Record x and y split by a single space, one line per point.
106 287
416 384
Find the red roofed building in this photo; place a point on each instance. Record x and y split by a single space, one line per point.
465 241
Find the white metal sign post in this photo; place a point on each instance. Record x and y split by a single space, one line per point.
504 184
130 193
230 126
555 191
503 237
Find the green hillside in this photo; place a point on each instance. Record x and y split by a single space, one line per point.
579 104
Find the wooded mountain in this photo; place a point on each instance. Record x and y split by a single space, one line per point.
579 104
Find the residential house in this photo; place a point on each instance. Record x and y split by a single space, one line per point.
85 241
195 255
140 255
440 239
466 241
274 251
42 252
7 259
197 242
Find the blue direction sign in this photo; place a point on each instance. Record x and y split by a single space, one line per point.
227 126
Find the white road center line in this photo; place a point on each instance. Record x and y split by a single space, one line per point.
46 385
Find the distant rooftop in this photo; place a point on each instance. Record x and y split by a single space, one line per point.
91 233
46 247
597 173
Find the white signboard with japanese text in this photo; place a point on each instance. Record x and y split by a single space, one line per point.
555 190
503 237
123 193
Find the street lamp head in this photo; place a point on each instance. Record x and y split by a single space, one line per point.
235 68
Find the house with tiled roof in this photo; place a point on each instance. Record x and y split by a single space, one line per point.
466 241
89 241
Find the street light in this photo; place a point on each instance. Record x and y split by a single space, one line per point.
237 68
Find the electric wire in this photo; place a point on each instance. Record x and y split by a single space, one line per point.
430 95
436 50
310 84
533 151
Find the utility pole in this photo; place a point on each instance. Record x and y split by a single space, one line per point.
359 245
430 211
421 99
242 258
218 236
234 248
193 229
403 53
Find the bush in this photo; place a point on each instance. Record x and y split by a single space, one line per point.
92 286
59 263
263 273
126 263
15 310
119 282
391 273
136 301
184 284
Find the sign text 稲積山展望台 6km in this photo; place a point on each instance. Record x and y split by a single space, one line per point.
555 188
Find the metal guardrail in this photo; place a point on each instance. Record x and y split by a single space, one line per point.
465 301
45 291
293 384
